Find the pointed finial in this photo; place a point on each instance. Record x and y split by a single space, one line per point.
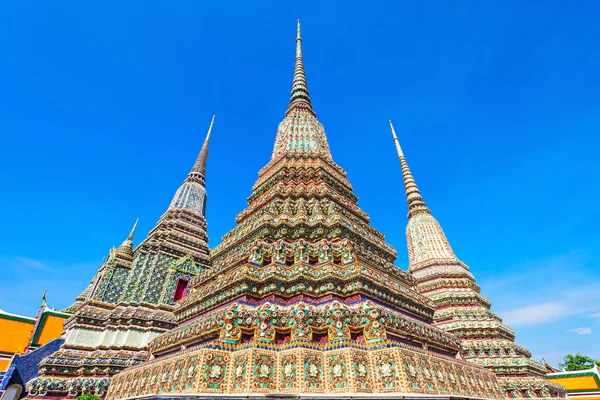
416 205
212 121
130 237
299 98
126 248
398 148
197 174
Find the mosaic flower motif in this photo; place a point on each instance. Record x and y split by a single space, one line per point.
362 370
337 371
313 370
411 370
239 370
386 369
288 370
427 373
264 371
215 371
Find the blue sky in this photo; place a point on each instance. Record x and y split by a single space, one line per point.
104 106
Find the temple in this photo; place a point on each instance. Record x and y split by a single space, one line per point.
583 384
20 334
301 299
23 342
459 306
131 298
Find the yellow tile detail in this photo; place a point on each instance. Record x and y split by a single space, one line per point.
4 365
577 382
51 330
14 335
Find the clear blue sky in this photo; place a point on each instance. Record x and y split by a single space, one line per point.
104 105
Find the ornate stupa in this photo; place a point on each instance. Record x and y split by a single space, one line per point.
460 307
130 300
303 298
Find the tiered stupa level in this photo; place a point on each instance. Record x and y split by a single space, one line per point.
460 307
130 299
303 297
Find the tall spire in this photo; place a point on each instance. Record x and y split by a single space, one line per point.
299 98
126 248
192 194
414 199
300 132
460 307
198 172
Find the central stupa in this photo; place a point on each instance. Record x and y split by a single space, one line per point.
303 298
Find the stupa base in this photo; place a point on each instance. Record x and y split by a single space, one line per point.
343 370
334 396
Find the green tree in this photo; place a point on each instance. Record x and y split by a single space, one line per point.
577 362
88 396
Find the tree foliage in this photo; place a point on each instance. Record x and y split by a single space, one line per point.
88 396
577 362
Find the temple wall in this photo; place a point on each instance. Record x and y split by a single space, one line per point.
109 336
130 338
83 337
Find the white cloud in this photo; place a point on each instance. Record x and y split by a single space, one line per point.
581 331
535 314
567 299
542 306
27 278
25 262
